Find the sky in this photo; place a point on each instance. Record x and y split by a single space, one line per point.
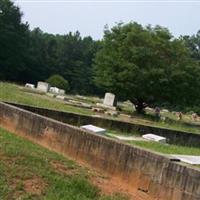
89 17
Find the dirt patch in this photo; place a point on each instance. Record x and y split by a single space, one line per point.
110 186
62 169
10 160
34 186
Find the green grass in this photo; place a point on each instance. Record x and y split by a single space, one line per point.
167 148
31 172
13 93
157 147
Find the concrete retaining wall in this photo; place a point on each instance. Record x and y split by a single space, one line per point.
151 175
175 137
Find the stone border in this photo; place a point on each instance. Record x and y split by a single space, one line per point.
147 173
173 136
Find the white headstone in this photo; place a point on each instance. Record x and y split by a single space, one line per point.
94 129
28 85
126 138
61 91
60 97
155 138
193 160
54 90
43 86
109 99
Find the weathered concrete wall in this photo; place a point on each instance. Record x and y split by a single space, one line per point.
153 176
175 137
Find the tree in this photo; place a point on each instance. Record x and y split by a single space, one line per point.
13 42
147 66
59 82
193 44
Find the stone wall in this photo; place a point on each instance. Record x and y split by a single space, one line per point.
149 175
174 137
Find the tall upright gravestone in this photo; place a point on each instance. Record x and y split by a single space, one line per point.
43 86
110 100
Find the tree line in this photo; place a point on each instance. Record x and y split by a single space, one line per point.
144 64
32 55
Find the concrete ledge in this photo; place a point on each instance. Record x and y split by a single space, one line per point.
147 173
175 137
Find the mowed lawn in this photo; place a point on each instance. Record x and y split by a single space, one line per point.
167 148
13 93
29 171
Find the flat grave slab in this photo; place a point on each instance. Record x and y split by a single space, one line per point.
193 160
126 138
155 138
93 128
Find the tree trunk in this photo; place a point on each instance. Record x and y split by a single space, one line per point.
139 106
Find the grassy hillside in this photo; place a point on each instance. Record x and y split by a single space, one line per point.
29 171
13 93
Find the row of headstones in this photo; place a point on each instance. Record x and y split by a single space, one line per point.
45 87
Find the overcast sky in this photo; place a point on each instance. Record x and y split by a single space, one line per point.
90 17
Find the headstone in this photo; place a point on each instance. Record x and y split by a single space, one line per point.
86 105
61 91
81 97
28 85
165 110
126 138
60 97
43 86
155 138
54 90
94 129
193 160
149 109
109 100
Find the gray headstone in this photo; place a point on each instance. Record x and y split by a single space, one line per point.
43 86
54 90
110 100
93 128
28 85
155 138
193 160
61 91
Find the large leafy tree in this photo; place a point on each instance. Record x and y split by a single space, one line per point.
193 43
147 66
13 41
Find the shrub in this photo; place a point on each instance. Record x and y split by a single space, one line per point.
58 81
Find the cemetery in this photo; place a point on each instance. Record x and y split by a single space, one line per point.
99 114
158 171
174 149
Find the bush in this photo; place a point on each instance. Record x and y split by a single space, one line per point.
58 81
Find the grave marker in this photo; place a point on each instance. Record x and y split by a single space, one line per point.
110 100
155 138
94 129
43 86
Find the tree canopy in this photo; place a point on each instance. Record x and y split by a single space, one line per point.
32 55
59 82
147 66
13 41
